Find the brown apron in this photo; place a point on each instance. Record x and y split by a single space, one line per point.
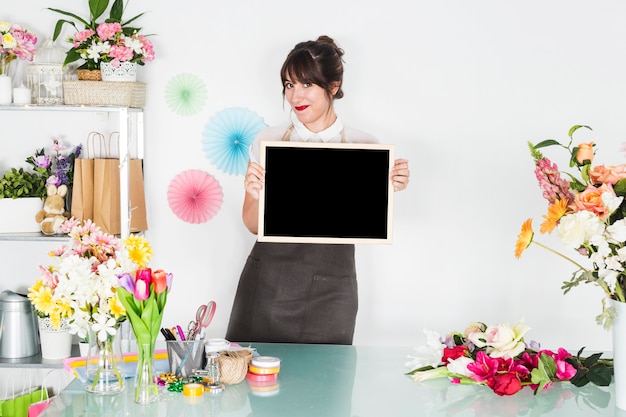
296 293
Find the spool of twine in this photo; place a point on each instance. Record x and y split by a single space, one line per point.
233 365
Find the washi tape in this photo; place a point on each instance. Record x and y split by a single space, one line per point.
263 371
193 390
261 377
266 362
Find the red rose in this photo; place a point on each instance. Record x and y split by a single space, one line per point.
453 353
505 384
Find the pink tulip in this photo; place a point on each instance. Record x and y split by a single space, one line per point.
142 284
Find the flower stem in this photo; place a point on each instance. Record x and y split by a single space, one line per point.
560 254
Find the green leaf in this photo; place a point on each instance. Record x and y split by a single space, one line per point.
620 187
591 360
547 142
116 11
575 128
97 8
600 375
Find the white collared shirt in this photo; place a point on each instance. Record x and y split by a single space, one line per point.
300 133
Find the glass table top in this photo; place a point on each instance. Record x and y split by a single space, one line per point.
344 381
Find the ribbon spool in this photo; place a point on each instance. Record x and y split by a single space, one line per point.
193 390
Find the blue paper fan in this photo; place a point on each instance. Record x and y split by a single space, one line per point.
185 94
227 138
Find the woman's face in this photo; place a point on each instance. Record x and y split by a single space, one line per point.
311 105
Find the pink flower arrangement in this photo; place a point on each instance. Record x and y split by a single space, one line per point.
497 356
113 40
588 212
109 43
15 43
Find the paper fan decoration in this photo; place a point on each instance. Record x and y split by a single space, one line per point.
185 94
227 137
194 196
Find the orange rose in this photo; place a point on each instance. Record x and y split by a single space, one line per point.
607 175
591 200
585 152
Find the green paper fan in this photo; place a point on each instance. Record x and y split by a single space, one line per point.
185 94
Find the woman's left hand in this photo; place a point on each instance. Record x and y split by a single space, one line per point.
400 174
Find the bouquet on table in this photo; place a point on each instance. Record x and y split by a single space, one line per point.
497 356
143 294
90 285
82 283
588 215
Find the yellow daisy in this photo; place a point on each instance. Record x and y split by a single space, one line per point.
525 238
117 309
139 250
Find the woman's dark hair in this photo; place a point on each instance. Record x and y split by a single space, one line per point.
317 62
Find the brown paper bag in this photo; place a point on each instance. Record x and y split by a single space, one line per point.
82 188
106 188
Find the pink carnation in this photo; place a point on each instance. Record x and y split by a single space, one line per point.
107 31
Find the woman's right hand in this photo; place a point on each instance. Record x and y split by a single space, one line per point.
254 179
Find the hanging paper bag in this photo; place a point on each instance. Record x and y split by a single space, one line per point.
82 188
107 193
17 402
44 399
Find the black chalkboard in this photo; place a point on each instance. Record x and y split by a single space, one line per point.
326 193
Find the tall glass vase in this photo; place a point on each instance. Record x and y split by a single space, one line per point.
104 364
146 387
619 354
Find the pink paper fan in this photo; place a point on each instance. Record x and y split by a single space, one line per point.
194 196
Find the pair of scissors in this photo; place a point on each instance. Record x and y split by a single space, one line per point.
204 315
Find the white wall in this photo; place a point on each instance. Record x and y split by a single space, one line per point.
458 86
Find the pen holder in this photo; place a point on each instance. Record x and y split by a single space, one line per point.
185 356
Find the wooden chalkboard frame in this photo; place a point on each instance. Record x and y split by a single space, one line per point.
343 189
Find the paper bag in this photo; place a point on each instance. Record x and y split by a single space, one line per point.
82 188
18 405
106 190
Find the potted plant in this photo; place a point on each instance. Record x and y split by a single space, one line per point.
22 191
111 41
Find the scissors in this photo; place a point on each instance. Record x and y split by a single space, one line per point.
204 315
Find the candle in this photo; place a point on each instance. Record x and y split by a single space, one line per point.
5 89
21 95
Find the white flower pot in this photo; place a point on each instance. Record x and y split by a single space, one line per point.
127 71
55 343
18 215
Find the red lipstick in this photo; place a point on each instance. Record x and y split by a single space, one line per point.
300 108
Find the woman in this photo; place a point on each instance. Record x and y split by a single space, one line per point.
301 292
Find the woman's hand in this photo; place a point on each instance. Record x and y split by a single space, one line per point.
254 179
400 174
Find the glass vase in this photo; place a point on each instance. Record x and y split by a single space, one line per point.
4 64
6 84
146 387
104 364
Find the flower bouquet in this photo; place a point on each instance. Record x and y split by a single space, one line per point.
497 356
143 294
112 40
15 42
588 214
56 169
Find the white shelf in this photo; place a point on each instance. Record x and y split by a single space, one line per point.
130 122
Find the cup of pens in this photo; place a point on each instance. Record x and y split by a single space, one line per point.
185 356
